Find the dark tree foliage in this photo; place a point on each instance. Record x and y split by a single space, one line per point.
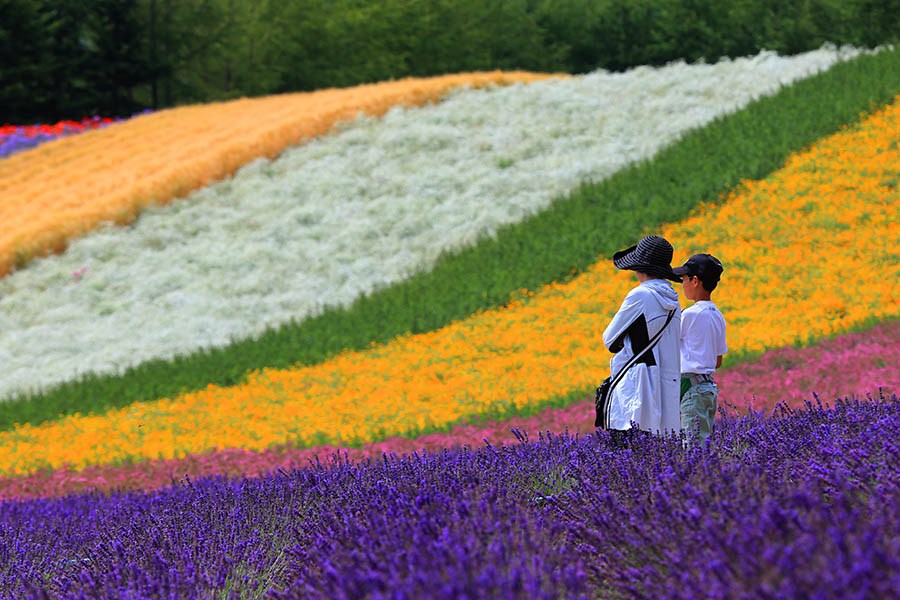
116 61
23 52
71 58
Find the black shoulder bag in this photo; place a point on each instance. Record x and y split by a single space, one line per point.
601 399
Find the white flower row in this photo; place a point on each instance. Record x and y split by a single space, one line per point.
353 211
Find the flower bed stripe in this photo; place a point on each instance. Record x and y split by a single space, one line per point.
66 188
785 241
857 364
344 215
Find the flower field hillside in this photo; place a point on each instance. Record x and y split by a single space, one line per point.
786 240
344 215
343 344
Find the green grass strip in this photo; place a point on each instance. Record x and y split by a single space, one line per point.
595 221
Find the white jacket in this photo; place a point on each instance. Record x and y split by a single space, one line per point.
647 395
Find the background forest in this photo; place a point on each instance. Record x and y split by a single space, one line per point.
71 58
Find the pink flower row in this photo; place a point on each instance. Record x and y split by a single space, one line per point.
856 364
852 364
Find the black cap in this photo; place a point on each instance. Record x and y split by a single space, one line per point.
705 266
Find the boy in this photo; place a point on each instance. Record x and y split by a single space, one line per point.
702 346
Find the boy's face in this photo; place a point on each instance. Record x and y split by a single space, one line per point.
692 286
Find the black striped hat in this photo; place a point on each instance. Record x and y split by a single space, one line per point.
652 255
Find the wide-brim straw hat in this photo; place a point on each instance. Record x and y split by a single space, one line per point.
652 255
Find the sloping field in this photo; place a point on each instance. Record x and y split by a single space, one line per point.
551 245
784 241
336 218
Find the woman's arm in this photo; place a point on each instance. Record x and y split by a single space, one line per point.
628 313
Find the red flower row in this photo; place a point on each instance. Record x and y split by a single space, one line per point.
59 128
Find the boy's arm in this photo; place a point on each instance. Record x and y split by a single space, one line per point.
721 344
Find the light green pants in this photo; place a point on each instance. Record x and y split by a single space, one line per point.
698 411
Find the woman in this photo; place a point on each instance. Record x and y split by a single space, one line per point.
647 394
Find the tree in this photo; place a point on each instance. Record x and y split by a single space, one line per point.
115 61
23 53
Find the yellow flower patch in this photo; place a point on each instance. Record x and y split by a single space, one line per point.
810 251
65 188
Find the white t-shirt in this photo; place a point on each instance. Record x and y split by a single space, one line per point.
702 338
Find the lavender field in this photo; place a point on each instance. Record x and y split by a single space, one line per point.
799 504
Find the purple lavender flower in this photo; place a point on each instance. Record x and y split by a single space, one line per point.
801 503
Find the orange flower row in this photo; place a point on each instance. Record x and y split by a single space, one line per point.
809 251
66 188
